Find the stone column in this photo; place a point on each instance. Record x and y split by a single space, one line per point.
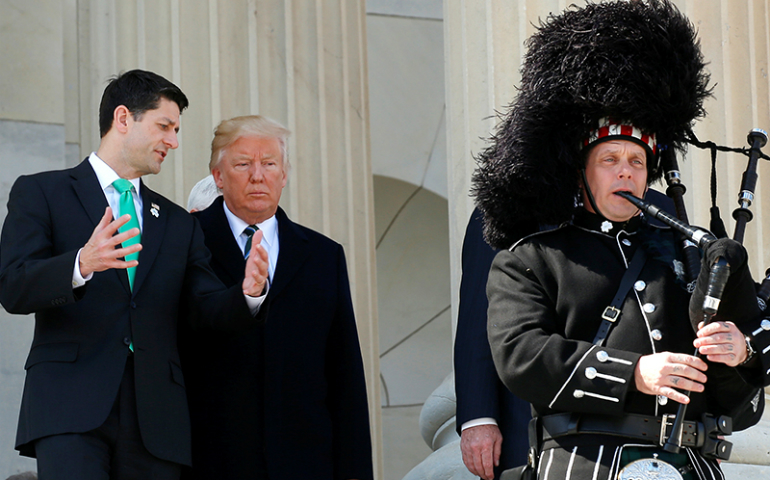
31 139
483 52
483 46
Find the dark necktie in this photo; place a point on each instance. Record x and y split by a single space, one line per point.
249 231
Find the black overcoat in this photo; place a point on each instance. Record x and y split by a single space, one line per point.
289 397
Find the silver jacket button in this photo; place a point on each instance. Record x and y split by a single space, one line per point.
626 242
648 307
765 324
662 400
656 335
640 285
578 393
602 356
590 373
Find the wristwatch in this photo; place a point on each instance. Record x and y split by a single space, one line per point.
750 352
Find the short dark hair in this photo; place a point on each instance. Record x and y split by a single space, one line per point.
139 91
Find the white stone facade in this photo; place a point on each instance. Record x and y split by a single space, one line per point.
388 101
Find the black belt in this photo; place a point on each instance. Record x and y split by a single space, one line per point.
640 427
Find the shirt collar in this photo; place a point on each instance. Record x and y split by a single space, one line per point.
269 227
106 175
591 221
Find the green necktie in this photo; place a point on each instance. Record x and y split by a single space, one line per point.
249 231
127 207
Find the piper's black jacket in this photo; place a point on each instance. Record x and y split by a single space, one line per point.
547 294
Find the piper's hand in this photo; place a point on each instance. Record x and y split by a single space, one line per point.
255 277
101 252
662 373
721 342
481 446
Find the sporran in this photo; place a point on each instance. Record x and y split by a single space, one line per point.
649 469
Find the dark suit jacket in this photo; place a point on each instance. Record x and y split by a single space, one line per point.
79 348
288 398
478 389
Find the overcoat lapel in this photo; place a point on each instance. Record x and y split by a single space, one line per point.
292 254
89 192
221 242
153 232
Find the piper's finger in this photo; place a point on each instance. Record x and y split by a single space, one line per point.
687 372
683 383
689 361
674 395
726 358
718 328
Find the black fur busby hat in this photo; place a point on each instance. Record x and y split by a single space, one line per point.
635 61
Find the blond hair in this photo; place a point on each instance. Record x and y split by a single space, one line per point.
228 131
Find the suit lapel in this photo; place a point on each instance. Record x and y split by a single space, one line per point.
221 241
89 192
91 196
292 254
153 231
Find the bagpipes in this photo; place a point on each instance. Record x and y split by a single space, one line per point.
721 257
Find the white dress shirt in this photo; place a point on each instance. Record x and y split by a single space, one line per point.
269 238
106 175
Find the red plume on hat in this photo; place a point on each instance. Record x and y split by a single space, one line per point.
637 62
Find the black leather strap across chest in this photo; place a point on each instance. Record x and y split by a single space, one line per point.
611 314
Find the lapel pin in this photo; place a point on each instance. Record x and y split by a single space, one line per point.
155 210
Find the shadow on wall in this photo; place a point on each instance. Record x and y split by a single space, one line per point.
415 328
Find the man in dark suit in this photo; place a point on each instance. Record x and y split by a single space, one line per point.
104 395
286 400
492 422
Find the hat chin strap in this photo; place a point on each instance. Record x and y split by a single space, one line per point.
590 195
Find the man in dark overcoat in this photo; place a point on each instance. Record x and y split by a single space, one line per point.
287 399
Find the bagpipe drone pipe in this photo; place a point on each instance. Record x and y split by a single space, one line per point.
716 266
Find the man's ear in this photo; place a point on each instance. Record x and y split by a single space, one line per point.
217 174
120 118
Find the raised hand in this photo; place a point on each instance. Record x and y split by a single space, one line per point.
255 276
101 252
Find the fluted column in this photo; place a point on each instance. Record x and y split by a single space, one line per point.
483 46
483 52
301 62
32 139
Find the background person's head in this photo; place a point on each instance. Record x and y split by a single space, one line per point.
202 194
